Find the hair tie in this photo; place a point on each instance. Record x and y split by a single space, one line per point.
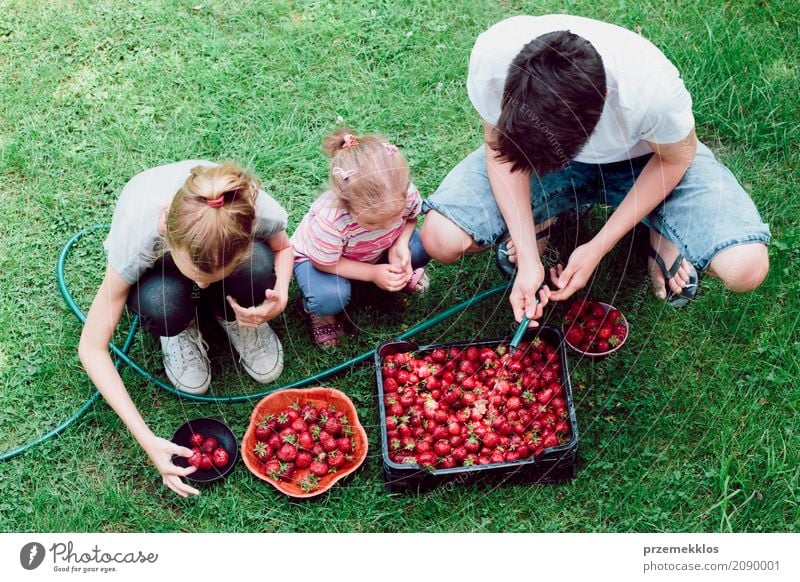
343 174
216 202
349 141
391 149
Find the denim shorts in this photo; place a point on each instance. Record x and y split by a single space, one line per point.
707 212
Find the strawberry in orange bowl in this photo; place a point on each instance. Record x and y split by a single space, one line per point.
302 441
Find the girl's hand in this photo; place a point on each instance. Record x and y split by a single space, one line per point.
389 277
273 306
160 452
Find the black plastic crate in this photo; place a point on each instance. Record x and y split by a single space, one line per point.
555 465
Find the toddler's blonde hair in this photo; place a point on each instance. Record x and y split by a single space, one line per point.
367 173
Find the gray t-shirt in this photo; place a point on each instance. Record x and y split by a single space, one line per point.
134 242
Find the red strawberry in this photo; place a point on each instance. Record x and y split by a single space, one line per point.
561 427
205 462
287 453
575 334
262 452
441 448
194 460
288 471
196 439
309 413
328 444
333 425
345 445
319 468
427 459
220 457
549 440
299 425
209 445
273 469
262 432
598 311
448 462
491 440
303 460
305 441
336 459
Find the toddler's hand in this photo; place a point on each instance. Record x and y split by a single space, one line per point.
389 277
400 257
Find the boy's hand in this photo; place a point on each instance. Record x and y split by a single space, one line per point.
273 305
523 297
160 452
389 277
582 263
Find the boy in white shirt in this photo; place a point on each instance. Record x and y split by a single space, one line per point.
578 112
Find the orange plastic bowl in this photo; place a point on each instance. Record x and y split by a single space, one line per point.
320 396
608 307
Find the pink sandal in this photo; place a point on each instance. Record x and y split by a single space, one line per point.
325 334
418 278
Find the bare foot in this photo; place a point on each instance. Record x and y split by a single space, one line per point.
669 252
541 244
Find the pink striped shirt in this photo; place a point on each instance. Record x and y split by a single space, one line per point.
328 232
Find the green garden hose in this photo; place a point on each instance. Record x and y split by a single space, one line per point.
122 357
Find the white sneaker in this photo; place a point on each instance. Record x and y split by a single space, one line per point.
185 360
260 350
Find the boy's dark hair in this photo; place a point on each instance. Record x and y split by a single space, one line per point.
552 101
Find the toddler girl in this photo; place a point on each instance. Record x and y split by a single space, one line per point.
362 229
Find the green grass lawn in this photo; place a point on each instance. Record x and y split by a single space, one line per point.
692 427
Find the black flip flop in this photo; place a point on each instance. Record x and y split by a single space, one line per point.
687 293
508 268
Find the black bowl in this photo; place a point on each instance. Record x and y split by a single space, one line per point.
208 427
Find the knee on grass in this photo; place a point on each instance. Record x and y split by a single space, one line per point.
741 268
443 240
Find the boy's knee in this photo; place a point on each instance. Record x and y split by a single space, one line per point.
742 268
442 239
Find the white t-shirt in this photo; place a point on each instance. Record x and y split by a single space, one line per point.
134 242
646 99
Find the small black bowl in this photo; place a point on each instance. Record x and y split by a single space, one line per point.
208 427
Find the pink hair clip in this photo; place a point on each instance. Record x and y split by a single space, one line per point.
349 141
391 149
343 174
216 202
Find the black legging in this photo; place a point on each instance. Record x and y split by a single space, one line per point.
166 301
